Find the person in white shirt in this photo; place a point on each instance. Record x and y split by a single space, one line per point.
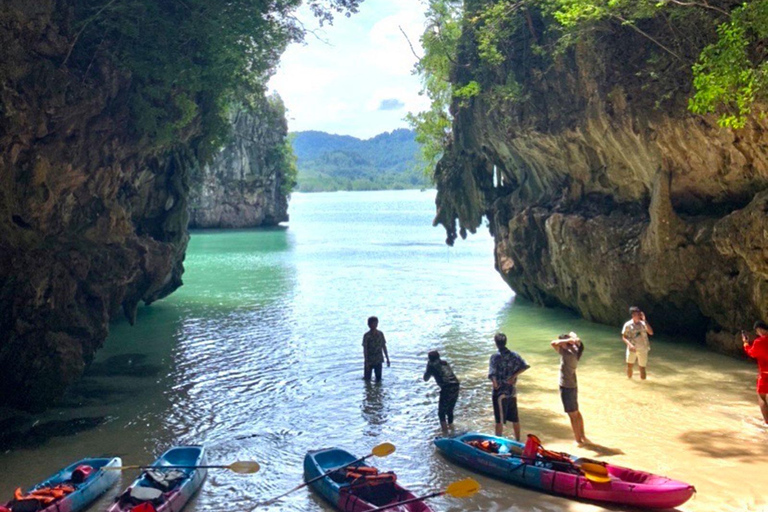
635 335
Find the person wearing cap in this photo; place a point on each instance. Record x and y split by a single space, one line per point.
449 387
570 348
374 350
503 370
635 336
758 349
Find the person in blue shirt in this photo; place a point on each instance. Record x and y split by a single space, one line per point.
504 368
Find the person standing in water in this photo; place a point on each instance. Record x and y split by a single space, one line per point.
570 348
374 350
504 368
635 335
758 349
449 387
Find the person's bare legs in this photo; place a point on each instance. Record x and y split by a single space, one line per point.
516 428
499 429
577 424
629 369
762 400
642 372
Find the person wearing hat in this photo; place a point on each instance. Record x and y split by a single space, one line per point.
635 336
449 387
570 348
758 349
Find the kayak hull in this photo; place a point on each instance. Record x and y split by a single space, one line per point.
318 462
177 497
627 486
97 483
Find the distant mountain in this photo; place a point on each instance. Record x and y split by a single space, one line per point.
329 162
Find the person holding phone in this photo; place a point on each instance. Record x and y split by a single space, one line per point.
758 349
635 336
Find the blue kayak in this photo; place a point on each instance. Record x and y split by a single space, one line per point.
164 488
78 485
356 493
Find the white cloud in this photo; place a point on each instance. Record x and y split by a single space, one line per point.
339 86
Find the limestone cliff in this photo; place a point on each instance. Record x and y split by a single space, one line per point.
247 183
602 190
92 221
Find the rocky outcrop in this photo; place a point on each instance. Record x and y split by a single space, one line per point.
92 220
603 193
247 183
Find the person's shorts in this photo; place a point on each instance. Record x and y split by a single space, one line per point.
505 409
762 385
570 398
641 356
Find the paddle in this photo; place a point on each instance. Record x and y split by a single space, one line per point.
243 467
593 471
381 450
461 489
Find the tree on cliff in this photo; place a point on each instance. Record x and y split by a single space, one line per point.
187 59
713 48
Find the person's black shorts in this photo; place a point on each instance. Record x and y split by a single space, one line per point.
570 397
505 408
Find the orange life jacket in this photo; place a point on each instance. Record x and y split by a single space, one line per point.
486 445
45 495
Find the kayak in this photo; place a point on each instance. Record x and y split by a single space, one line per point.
162 488
71 489
358 488
622 485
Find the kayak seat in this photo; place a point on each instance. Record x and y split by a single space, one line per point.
379 490
141 494
165 480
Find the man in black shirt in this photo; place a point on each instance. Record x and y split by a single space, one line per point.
449 387
374 350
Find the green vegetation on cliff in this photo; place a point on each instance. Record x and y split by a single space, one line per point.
186 60
328 162
713 50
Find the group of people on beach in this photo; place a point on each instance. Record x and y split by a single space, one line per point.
505 367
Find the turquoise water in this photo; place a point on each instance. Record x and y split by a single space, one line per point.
258 356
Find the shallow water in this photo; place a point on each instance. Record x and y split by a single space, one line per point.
258 356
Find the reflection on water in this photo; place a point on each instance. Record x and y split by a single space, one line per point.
259 357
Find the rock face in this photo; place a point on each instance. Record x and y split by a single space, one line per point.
91 221
599 199
246 185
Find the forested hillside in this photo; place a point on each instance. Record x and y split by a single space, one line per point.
330 162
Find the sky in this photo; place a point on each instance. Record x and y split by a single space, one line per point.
356 77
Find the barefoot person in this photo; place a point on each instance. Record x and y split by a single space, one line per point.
374 350
758 349
635 335
449 387
503 370
570 348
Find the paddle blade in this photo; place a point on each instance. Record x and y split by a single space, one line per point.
463 488
244 467
383 449
595 472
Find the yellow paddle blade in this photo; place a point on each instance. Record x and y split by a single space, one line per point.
463 488
595 472
383 449
244 467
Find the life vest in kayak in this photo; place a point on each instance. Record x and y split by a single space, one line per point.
45 495
485 445
144 507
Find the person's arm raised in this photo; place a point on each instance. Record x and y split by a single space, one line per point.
648 327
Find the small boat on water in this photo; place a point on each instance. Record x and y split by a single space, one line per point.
357 488
167 485
504 459
73 488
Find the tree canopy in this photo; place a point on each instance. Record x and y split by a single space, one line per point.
187 60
